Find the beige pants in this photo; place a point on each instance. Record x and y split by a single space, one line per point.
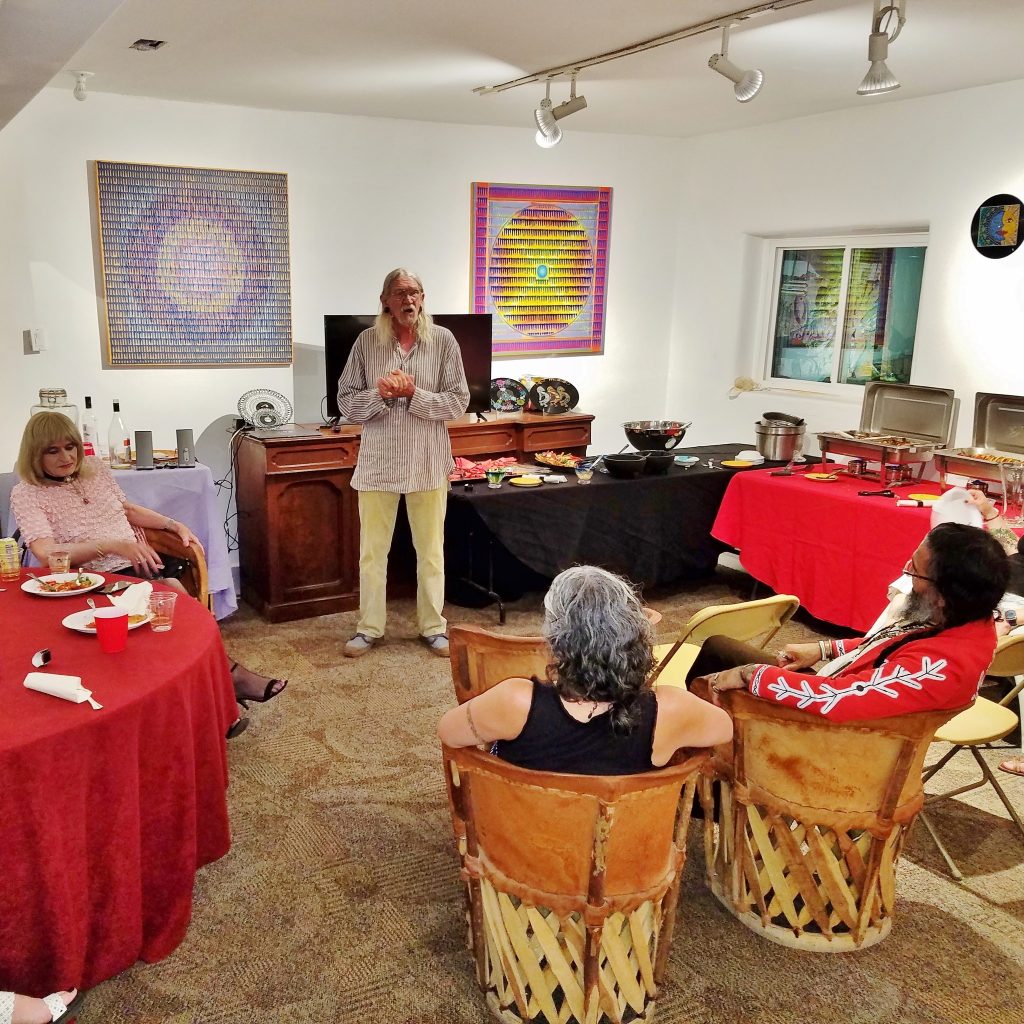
377 512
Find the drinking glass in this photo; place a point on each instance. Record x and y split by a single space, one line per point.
1012 474
494 477
161 607
59 560
584 474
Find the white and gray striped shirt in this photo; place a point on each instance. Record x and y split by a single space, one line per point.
405 445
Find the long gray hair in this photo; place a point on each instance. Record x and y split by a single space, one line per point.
384 324
601 640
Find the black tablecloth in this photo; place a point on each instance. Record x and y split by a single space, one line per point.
654 530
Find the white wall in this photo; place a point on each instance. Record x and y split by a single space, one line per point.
926 163
364 195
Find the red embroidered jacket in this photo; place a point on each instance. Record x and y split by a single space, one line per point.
937 672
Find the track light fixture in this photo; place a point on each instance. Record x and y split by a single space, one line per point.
548 116
81 84
746 84
879 78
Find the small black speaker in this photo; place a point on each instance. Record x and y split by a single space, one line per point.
143 449
186 448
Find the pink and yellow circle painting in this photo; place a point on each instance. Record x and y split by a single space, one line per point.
541 270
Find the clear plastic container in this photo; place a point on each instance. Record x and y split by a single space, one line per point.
10 560
55 400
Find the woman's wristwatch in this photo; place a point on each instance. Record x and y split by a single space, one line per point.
1010 617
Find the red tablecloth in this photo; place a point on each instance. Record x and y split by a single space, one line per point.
835 550
105 816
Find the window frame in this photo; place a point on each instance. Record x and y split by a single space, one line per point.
771 279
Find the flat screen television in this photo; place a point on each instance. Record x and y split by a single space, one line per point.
471 330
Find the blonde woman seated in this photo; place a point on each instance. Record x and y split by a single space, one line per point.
596 713
69 501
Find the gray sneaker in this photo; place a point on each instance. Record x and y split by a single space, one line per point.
360 644
438 644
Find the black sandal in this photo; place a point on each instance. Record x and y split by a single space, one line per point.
268 692
237 727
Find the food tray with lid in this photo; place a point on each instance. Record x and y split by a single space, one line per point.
899 423
998 438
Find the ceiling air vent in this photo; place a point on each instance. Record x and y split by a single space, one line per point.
147 45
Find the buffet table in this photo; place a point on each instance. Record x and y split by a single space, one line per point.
822 541
188 495
655 530
106 814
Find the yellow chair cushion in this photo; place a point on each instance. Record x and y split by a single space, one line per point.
984 722
675 671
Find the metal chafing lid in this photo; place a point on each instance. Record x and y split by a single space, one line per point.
999 422
909 410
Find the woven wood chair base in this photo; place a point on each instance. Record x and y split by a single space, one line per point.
533 961
801 884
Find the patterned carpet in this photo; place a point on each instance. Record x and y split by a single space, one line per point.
340 899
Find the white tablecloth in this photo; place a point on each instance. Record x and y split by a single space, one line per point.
189 496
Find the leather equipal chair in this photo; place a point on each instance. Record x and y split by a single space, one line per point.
572 883
744 621
812 819
195 580
481 658
982 723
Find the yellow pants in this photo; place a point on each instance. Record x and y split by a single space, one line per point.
377 512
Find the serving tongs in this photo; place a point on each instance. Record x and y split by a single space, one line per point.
877 494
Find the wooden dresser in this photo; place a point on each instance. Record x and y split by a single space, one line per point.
298 518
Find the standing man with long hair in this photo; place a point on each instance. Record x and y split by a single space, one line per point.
403 381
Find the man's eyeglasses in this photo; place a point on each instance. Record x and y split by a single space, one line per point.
406 293
908 570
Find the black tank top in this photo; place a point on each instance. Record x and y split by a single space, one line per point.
553 741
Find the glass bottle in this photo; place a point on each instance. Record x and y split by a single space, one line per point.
119 440
91 432
55 400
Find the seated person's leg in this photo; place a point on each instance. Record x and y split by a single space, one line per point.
721 652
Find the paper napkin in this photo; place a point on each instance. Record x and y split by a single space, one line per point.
65 687
134 599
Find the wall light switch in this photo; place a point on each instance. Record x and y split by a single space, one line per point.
33 340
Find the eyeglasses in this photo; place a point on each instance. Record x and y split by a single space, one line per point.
406 293
908 570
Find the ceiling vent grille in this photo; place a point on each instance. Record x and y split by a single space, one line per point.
146 45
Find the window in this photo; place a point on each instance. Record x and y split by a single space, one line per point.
844 311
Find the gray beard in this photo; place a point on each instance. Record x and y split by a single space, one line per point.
920 609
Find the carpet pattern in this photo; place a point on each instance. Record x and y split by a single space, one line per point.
340 899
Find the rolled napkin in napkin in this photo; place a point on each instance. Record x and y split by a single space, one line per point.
65 687
134 599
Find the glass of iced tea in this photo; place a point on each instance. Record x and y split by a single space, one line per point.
161 608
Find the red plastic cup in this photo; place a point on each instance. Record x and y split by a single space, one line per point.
112 629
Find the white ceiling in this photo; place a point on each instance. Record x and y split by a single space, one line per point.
421 60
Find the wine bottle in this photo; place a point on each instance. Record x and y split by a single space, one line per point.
91 432
120 441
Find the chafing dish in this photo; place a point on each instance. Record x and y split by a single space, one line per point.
998 438
899 423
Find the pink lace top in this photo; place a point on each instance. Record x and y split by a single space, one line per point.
89 509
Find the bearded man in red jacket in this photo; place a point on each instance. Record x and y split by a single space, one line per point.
933 657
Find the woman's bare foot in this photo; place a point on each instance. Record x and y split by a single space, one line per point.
1013 765
251 686
34 1011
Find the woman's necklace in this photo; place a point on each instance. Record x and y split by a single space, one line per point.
73 482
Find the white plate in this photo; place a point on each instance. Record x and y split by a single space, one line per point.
685 460
32 586
78 621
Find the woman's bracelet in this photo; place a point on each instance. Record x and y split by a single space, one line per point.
169 524
995 515
100 553
472 726
826 650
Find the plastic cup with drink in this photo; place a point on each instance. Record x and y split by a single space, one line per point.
494 477
10 560
161 608
584 473
59 560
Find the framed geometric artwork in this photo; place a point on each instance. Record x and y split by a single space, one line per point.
195 266
540 267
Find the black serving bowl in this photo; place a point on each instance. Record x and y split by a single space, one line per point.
658 462
645 435
626 466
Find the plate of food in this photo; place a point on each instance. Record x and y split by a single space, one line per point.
85 621
528 480
63 584
821 478
564 460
